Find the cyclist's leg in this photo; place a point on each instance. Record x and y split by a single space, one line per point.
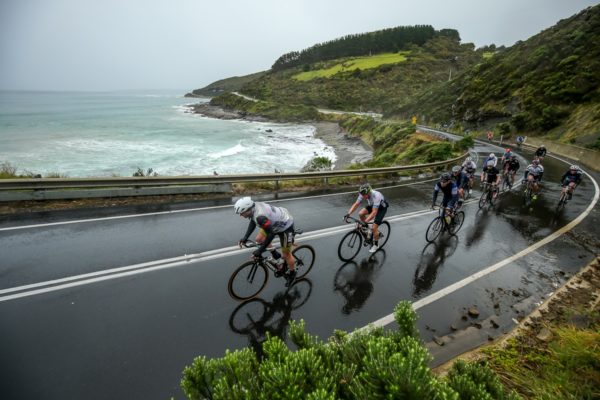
286 239
362 214
571 189
377 221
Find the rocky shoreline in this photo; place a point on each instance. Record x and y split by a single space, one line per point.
348 150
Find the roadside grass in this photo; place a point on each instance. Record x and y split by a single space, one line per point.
354 63
566 367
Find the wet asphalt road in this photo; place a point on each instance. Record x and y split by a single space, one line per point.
130 336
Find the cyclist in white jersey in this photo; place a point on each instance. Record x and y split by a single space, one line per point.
272 221
374 211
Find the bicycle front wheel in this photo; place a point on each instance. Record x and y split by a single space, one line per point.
349 246
483 199
305 258
457 222
247 315
384 233
248 280
435 228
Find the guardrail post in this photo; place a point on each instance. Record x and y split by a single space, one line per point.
276 185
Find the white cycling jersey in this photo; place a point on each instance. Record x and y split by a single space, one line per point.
469 166
375 199
535 170
279 217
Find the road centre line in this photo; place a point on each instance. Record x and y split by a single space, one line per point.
114 273
464 282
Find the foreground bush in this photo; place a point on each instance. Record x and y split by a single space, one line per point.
373 364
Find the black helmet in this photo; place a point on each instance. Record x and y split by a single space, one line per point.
365 189
445 176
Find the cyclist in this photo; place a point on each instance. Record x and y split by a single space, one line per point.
374 211
505 159
469 168
272 221
490 136
492 176
513 167
461 180
492 157
450 190
520 141
571 179
540 153
534 173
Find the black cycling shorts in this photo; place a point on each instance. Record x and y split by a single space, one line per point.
380 214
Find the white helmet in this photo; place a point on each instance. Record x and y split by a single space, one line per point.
243 204
489 164
492 155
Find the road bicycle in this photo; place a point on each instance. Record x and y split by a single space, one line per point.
467 187
564 197
250 278
528 194
361 235
487 197
507 179
448 223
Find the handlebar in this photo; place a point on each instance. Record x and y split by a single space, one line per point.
350 219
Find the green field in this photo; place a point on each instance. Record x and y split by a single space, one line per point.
354 63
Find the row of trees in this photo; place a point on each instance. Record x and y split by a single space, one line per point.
386 40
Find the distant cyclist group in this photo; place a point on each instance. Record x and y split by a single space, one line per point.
456 186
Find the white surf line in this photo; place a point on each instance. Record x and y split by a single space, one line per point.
464 282
14 228
114 273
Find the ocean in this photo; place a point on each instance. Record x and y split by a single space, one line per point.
83 134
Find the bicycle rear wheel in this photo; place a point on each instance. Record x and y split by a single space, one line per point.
305 258
248 280
384 233
434 229
457 222
349 246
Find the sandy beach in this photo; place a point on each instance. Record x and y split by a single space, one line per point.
347 150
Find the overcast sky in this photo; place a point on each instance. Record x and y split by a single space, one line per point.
187 44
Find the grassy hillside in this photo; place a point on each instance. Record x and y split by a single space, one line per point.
548 84
232 84
374 84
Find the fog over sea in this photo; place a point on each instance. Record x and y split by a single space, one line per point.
81 134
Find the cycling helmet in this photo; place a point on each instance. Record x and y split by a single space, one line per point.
445 176
536 162
507 150
542 146
492 155
243 204
456 168
365 189
574 167
469 159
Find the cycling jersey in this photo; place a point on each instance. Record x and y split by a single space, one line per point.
450 193
491 174
520 139
461 179
273 220
514 165
507 155
568 177
536 170
469 166
375 199
494 159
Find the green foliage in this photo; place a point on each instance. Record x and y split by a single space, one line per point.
148 172
369 364
464 144
476 381
503 128
317 164
232 84
7 170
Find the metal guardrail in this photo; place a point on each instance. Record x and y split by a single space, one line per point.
137 184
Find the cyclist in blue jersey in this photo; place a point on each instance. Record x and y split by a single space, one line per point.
272 221
374 211
450 190
571 179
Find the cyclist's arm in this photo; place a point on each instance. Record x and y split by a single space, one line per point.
353 207
436 189
251 227
265 224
